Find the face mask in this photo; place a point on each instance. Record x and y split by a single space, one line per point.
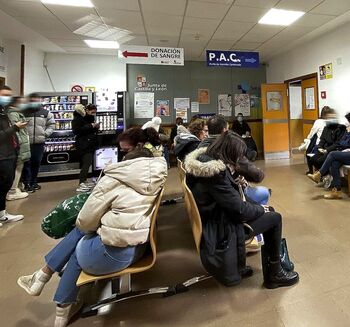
5 100
240 119
35 105
331 121
22 106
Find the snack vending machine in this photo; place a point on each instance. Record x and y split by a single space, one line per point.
60 156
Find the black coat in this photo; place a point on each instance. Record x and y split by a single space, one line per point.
240 128
218 200
8 138
85 134
330 137
185 145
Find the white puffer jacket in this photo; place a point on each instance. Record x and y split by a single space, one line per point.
120 206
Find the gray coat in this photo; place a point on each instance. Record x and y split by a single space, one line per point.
40 126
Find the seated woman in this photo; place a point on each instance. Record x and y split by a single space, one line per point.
242 128
137 137
315 134
332 165
111 233
187 143
330 137
209 176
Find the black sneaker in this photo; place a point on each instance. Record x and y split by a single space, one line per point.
36 186
28 188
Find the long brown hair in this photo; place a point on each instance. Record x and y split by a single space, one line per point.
229 147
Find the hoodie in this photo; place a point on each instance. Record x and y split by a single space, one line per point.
120 207
185 144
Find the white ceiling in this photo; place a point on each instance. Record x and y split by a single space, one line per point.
195 25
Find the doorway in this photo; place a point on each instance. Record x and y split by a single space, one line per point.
303 107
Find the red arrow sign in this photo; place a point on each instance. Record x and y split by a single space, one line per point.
127 54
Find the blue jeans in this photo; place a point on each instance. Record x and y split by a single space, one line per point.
259 194
78 252
334 161
32 166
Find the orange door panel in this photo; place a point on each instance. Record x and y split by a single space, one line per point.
309 91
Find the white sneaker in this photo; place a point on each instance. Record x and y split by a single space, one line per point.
83 188
34 284
8 218
65 314
16 195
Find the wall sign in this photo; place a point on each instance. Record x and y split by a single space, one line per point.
152 55
77 88
323 95
326 71
232 58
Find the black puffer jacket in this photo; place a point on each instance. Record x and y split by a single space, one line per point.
85 134
245 168
330 137
185 144
8 138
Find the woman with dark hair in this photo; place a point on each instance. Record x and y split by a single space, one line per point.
211 177
135 137
85 130
188 142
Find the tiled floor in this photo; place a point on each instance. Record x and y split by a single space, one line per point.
318 238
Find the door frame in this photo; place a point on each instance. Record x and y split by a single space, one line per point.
295 79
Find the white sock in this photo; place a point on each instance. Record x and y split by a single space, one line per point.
2 214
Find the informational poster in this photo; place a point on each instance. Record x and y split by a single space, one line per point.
242 104
326 71
143 104
89 89
225 105
162 108
181 103
310 98
182 113
203 96
106 99
194 106
274 101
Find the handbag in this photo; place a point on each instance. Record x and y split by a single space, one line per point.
61 220
286 263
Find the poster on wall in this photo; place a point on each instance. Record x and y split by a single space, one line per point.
326 71
274 101
181 103
182 113
310 98
106 99
89 89
194 106
242 104
162 108
225 105
143 104
203 96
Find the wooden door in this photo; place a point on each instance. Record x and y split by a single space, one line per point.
275 121
309 92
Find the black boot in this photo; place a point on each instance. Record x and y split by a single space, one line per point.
275 276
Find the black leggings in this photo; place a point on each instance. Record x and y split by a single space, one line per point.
318 159
86 162
7 175
270 225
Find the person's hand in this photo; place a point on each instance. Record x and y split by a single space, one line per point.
247 133
21 124
95 125
322 150
266 208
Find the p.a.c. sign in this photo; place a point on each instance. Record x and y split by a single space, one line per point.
232 58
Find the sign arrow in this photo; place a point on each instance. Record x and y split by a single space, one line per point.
127 54
251 60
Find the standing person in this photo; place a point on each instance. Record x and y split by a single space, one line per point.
8 154
85 130
242 128
41 125
16 114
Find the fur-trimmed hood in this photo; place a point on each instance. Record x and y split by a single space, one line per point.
200 165
80 110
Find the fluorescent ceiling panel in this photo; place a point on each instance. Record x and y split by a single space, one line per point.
281 17
74 3
102 44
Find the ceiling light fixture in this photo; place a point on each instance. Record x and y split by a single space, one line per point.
74 3
102 44
280 17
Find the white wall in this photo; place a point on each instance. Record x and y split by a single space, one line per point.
13 65
306 58
100 71
35 76
295 102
